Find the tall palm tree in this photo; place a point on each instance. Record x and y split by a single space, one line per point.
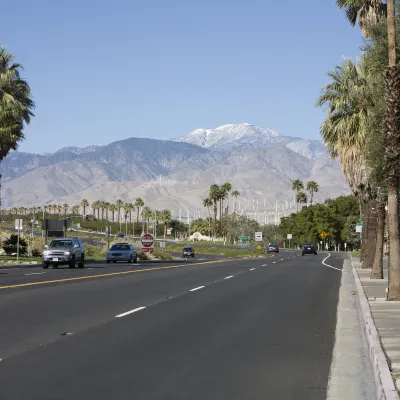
165 217
235 194
84 204
208 203
55 208
312 187
301 198
113 209
119 203
65 208
349 101
297 185
146 215
214 196
16 105
75 210
138 204
392 153
59 209
365 12
128 208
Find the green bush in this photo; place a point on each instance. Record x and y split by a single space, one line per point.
143 256
11 244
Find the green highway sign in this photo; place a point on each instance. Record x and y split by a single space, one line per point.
244 237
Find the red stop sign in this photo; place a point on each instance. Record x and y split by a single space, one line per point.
147 240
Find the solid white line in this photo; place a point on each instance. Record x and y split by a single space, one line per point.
35 273
330 266
129 312
252 269
229 277
197 288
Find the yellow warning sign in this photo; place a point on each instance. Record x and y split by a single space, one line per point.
324 235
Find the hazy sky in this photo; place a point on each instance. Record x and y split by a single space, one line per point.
107 70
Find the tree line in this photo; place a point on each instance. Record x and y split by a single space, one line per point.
361 129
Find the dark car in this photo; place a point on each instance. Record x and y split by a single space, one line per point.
309 248
273 248
187 252
120 235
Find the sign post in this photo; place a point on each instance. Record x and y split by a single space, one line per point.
108 233
18 227
324 235
147 241
289 236
258 236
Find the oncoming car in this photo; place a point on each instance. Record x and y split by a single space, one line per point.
273 248
64 251
121 252
309 248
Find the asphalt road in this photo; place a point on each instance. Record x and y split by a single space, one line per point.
248 329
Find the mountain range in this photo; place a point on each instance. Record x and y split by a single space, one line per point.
176 173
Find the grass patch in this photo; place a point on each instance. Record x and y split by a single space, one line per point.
355 253
218 250
162 256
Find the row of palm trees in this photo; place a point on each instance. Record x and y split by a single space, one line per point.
215 201
301 197
362 130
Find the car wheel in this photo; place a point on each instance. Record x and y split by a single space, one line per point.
135 260
55 266
302 254
72 263
108 261
193 256
82 263
45 265
114 262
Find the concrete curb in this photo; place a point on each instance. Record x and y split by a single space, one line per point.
385 388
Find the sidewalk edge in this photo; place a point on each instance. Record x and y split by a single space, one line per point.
383 378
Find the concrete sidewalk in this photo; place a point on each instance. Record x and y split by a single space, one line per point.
386 316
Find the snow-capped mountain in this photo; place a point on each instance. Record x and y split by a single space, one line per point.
246 136
172 173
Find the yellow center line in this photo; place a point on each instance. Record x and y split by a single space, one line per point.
78 278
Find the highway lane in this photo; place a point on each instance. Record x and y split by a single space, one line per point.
257 329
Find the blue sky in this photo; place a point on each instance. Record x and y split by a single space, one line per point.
103 70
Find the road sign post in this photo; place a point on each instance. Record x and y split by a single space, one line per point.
289 236
258 236
18 227
147 241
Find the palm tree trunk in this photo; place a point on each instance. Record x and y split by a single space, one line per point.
392 154
371 235
215 218
220 216
377 267
137 215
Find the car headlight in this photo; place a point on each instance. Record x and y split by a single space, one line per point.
46 253
67 253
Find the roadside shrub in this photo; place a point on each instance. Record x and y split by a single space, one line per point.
90 250
143 256
36 253
162 256
10 245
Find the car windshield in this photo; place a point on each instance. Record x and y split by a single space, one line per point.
61 243
273 245
120 247
308 244
187 249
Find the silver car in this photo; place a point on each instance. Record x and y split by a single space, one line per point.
121 252
63 251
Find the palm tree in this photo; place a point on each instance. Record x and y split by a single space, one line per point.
84 204
297 185
119 204
235 194
312 187
165 216
214 196
345 135
75 210
146 215
65 207
59 209
366 12
113 209
301 198
208 203
55 208
138 204
392 153
16 104
128 208
106 207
